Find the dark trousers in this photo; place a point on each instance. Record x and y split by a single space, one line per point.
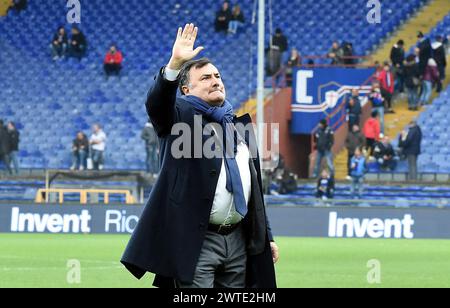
387 98
6 160
222 262
112 69
412 167
370 143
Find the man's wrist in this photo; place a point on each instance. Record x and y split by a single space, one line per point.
171 74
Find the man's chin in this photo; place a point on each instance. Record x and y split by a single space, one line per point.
216 100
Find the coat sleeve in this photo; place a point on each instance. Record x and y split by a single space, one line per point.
160 104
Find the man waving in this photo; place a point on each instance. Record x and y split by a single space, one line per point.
204 224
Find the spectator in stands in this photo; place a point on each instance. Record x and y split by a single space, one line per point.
385 155
80 151
425 52
440 57
372 131
355 95
358 170
386 79
409 143
397 57
430 78
325 186
278 46
5 147
335 54
324 142
378 70
355 139
377 100
223 17
14 139
237 20
412 81
98 145
287 182
354 111
280 40
347 53
59 44
151 146
77 44
293 62
113 62
18 6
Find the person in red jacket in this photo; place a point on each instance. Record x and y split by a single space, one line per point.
113 62
372 131
386 79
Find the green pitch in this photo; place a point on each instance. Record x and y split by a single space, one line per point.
38 260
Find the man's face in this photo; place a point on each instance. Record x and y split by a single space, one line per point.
206 83
355 128
335 45
113 49
80 136
95 128
355 92
61 31
386 140
225 6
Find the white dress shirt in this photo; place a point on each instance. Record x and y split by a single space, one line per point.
223 209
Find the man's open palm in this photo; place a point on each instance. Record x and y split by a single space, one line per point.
183 48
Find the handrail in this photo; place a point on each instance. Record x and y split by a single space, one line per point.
129 199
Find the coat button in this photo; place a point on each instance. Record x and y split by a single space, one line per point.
213 172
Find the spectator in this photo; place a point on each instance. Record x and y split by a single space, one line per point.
425 51
278 46
80 151
372 131
280 40
358 169
14 139
324 142
409 144
386 79
354 111
397 57
5 147
412 81
430 78
237 20
335 54
77 44
385 155
18 6
223 17
325 186
354 140
151 146
59 44
377 100
293 62
347 53
113 62
288 183
98 145
440 58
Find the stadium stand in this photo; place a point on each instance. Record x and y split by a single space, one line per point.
75 95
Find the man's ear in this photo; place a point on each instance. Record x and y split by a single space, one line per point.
185 90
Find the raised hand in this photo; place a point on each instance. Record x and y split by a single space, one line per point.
183 48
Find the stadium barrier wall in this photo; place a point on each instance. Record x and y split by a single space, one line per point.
334 222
